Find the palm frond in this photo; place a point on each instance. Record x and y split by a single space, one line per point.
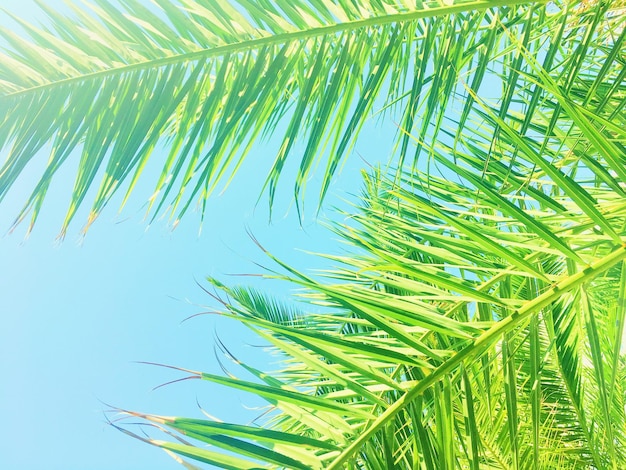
434 385
115 82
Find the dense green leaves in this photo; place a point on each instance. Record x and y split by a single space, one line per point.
477 318
480 305
207 79
471 398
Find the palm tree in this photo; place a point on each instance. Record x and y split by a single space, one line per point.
481 303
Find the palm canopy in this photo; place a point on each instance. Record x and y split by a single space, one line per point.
467 318
481 303
114 81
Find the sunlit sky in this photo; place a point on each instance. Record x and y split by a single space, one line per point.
77 314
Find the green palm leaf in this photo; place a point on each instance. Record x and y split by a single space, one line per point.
206 80
321 355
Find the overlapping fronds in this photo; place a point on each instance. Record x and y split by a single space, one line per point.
431 348
477 318
108 84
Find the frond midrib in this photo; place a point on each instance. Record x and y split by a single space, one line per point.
283 38
519 316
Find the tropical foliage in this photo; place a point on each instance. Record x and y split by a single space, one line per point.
457 332
476 319
208 78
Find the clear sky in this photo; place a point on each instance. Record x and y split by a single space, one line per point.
75 315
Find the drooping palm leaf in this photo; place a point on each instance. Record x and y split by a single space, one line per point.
114 82
480 306
422 399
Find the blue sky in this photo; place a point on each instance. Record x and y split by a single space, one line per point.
77 314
